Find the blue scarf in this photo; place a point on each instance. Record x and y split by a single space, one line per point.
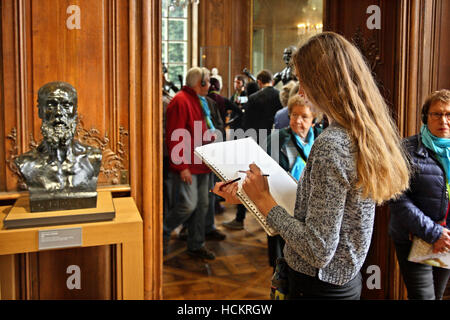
300 164
440 146
205 107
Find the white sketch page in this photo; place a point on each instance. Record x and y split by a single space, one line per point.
225 159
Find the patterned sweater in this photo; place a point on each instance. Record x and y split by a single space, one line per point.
330 233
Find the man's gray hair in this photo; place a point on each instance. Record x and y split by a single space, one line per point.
194 75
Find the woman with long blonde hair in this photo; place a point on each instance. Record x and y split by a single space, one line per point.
356 163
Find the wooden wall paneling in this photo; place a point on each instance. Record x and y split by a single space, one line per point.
420 58
122 84
440 57
216 24
9 277
416 64
224 24
37 46
95 62
2 109
93 58
146 134
135 102
241 38
441 66
9 89
96 283
379 47
77 56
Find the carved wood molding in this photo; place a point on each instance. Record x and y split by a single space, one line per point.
112 162
112 170
368 47
13 153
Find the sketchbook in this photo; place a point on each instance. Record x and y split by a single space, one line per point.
225 159
422 252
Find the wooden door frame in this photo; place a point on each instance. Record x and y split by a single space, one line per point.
416 57
146 138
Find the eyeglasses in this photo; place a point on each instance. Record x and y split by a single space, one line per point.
437 116
302 117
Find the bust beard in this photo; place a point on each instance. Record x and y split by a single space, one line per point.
59 136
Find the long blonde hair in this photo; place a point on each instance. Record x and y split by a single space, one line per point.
336 79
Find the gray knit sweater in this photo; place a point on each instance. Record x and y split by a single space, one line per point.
330 232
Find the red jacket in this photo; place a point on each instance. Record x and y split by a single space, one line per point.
185 112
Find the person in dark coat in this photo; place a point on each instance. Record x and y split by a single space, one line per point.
262 105
224 104
422 211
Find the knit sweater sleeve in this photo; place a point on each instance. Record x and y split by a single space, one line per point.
315 236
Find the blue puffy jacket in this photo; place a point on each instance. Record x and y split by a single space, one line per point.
421 209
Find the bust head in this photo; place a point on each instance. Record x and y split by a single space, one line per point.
57 103
287 54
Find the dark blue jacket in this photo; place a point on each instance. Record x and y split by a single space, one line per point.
421 209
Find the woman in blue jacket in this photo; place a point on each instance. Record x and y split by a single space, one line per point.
422 211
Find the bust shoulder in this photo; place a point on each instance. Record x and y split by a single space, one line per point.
29 158
81 148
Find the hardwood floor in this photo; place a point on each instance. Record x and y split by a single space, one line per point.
241 270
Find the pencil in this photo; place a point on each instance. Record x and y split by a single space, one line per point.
264 175
229 182
226 183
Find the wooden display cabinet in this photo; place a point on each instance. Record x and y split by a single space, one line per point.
124 235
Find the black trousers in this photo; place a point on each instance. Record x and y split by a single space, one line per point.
304 287
422 281
275 247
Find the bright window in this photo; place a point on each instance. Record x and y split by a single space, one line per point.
175 41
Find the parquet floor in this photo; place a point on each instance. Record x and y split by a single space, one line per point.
240 271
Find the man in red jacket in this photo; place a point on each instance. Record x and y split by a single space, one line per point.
189 124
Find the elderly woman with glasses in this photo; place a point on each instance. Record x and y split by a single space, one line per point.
295 141
422 211
292 147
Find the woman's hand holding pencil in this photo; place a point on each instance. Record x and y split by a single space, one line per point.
228 191
256 186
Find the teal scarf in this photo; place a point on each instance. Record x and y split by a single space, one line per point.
440 146
300 164
205 107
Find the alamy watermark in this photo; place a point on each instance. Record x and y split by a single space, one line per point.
185 141
74 280
374 20
374 280
74 20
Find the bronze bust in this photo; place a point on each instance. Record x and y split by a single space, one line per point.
287 73
61 173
